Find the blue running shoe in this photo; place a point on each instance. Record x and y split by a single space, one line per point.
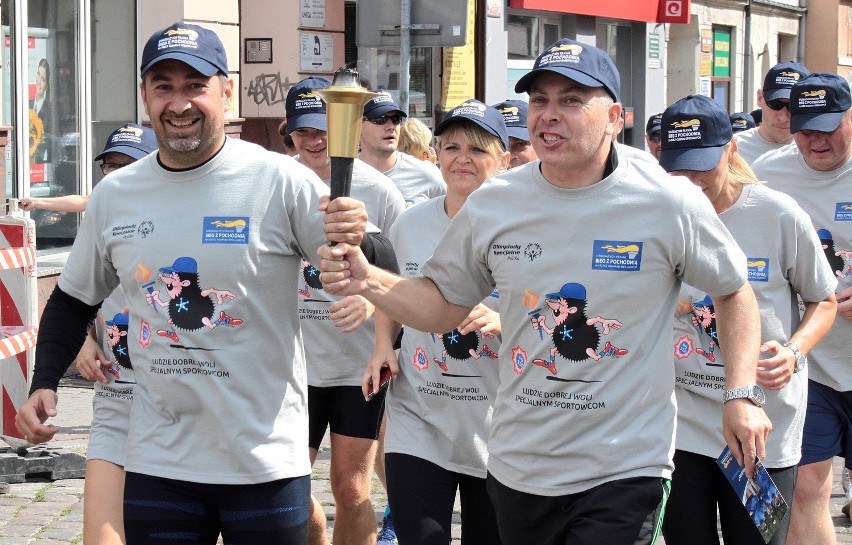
387 535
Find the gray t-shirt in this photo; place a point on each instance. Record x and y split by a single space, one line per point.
751 145
221 394
439 405
417 180
586 397
589 397
336 358
825 197
784 259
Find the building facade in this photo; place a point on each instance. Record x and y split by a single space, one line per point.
70 67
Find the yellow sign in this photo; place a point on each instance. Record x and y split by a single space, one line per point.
459 82
706 64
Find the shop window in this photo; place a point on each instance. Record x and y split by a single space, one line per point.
53 116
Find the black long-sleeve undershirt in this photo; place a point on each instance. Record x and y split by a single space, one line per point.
62 330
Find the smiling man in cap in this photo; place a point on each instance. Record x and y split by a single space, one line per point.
817 172
773 99
583 426
217 438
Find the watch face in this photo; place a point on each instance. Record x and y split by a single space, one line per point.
757 394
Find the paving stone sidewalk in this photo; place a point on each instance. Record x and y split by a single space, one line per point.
41 512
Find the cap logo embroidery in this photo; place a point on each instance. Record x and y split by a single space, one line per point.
134 130
562 53
695 123
470 108
683 131
180 37
510 110
383 97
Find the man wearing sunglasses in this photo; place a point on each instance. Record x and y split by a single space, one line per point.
653 134
774 100
417 180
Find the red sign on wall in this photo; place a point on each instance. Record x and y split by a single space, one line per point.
651 11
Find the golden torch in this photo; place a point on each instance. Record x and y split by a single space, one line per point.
345 99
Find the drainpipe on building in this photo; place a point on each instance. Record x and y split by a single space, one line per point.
800 50
747 59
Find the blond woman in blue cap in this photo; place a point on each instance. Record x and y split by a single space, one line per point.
785 264
439 404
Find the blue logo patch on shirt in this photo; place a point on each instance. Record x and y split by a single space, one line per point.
617 255
843 211
758 269
225 230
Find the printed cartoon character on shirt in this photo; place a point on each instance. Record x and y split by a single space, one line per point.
461 347
704 318
116 338
575 336
311 276
190 307
840 260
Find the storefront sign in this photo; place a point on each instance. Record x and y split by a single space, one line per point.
459 68
317 52
653 50
706 64
651 11
721 54
312 13
706 40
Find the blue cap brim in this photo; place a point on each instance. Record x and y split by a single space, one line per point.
448 121
307 121
521 133
384 109
824 122
203 67
524 84
130 151
775 94
696 159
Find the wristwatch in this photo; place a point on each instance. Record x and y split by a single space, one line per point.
753 393
800 358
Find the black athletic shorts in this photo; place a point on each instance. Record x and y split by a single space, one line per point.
345 411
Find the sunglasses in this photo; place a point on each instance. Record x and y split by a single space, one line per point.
778 104
655 138
395 119
106 168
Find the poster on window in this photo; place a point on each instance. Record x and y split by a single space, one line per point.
41 110
317 52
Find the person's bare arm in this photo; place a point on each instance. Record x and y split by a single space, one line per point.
776 371
746 426
66 203
416 302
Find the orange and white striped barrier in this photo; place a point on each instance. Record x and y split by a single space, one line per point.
18 313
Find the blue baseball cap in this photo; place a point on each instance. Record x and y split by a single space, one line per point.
514 114
132 140
742 121
583 63
653 124
182 265
380 105
304 108
781 78
571 290
196 46
485 117
818 102
119 319
695 130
